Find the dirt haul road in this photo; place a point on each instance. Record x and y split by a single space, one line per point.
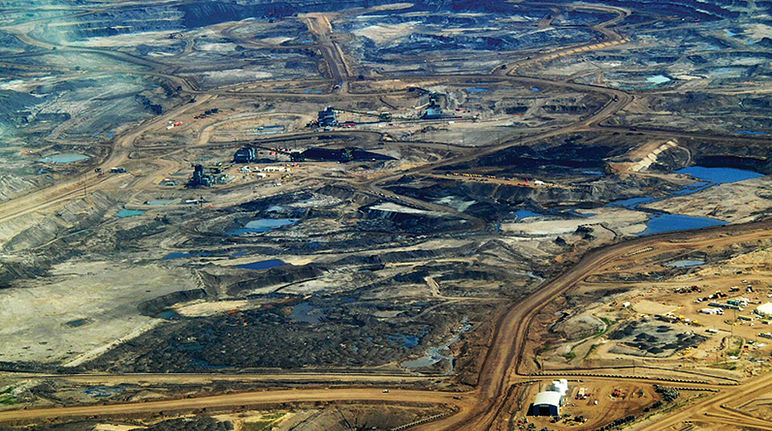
717 409
478 409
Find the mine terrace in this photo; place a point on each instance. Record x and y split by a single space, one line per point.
427 215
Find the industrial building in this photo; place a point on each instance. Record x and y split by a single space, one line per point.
765 309
327 117
244 155
547 403
200 178
433 112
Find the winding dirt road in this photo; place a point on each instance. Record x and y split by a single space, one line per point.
477 409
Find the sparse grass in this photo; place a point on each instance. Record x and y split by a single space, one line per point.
261 425
6 398
591 350
608 323
570 356
265 423
738 347
726 365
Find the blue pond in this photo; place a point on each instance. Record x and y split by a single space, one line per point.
751 132
263 225
662 222
524 214
592 173
65 158
263 264
476 90
673 222
631 203
719 175
129 213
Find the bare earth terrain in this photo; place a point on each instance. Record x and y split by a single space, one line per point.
378 215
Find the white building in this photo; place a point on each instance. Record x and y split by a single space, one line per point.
560 386
765 309
547 403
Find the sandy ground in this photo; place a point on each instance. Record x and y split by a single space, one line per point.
632 396
386 33
619 219
33 324
210 308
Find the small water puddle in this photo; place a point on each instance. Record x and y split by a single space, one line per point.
658 79
435 354
685 263
65 158
263 225
524 214
129 213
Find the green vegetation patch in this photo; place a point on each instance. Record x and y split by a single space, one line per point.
6 397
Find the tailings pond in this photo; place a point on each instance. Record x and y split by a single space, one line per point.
665 222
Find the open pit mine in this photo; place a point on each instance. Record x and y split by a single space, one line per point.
317 215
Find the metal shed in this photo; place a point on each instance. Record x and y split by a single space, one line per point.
547 403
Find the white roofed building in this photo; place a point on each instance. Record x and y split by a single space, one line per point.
547 403
765 309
